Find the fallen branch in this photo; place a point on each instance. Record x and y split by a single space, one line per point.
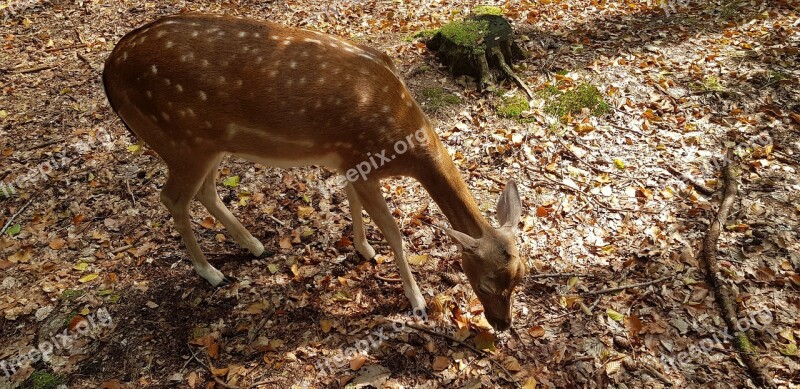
461 342
623 287
723 296
14 216
698 186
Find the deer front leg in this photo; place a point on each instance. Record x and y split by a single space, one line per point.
359 235
369 193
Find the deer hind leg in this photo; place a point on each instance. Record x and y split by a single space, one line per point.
360 237
369 193
210 199
181 187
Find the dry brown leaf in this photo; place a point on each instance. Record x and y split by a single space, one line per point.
440 363
57 244
357 362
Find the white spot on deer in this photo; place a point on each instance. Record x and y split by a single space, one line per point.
149 94
165 116
273 73
182 113
323 65
259 60
195 34
187 57
211 30
385 88
190 112
274 37
302 111
257 35
154 69
141 40
385 109
289 82
241 34
207 124
169 44
204 63
287 42
302 80
124 55
255 51
293 64
338 101
221 79
409 103
202 95
224 63
153 118
321 80
318 104
309 40
160 34
239 82
334 45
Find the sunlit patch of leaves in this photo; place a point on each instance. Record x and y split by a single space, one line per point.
559 103
435 98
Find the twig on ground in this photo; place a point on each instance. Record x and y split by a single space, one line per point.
623 287
723 296
655 373
557 275
276 220
78 46
14 216
461 342
31 69
698 186
216 379
128 186
121 249
387 279
45 144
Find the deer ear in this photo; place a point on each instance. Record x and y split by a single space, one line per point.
467 243
509 207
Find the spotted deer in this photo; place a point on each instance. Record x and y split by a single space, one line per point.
198 87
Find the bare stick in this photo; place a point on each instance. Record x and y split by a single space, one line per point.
723 296
32 70
14 216
698 186
557 275
623 287
217 380
461 342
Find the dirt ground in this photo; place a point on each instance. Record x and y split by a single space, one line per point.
86 241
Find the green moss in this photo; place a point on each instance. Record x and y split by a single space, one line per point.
487 10
466 33
44 380
560 103
513 107
423 35
71 294
436 98
713 84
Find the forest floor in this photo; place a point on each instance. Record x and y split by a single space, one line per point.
86 237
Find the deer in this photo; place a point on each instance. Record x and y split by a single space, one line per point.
196 88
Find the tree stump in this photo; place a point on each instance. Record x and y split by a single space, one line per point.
477 45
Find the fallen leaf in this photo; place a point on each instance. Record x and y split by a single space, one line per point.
231 182
88 277
440 363
357 362
326 325
614 315
484 341
536 331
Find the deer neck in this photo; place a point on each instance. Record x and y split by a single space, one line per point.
447 188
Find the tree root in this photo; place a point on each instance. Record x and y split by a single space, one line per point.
723 296
501 60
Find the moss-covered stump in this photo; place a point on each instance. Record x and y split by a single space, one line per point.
477 45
